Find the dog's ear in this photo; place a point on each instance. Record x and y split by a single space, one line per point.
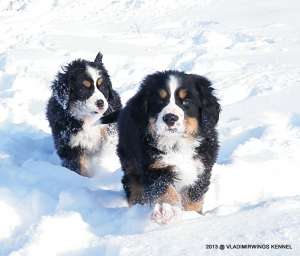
132 123
138 105
61 90
114 99
209 106
140 101
99 57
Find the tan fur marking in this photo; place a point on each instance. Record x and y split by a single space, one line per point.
182 93
87 83
163 93
84 166
193 206
191 125
136 193
170 196
99 81
158 165
103 132
151 126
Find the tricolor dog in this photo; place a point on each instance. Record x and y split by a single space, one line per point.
168 143
82 93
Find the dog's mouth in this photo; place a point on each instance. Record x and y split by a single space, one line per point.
171 130
96 112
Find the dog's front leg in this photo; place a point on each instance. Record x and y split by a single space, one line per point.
167 206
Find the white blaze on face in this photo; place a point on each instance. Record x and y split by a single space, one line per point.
97 95
88 109
179 151
171 108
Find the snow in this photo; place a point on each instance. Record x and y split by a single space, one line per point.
249 49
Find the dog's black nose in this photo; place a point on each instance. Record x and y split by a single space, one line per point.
170 119
100 103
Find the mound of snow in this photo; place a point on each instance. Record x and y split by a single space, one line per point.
57 235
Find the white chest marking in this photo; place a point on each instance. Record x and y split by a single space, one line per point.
186 167
89 137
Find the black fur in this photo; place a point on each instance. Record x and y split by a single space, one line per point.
67 88
137 147
110 118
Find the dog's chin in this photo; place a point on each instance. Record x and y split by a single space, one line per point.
98 113
169 132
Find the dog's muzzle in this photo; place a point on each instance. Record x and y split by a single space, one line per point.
100 104
170 119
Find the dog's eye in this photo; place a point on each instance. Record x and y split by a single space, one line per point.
163 94
87 83
99 81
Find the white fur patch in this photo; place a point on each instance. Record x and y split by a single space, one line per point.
173 85
179 152
89 137
171 108
100 151
93 73
107 160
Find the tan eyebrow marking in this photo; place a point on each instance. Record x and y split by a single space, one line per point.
182 93
87 83
163 93
99 81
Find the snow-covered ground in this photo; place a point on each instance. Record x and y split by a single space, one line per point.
250 49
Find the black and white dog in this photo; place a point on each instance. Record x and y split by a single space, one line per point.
82 93
168 142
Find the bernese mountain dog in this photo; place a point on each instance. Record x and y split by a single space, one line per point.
82 93
168 142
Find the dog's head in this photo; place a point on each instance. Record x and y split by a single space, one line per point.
177 104
84 88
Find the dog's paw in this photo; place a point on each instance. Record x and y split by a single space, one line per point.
164 213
